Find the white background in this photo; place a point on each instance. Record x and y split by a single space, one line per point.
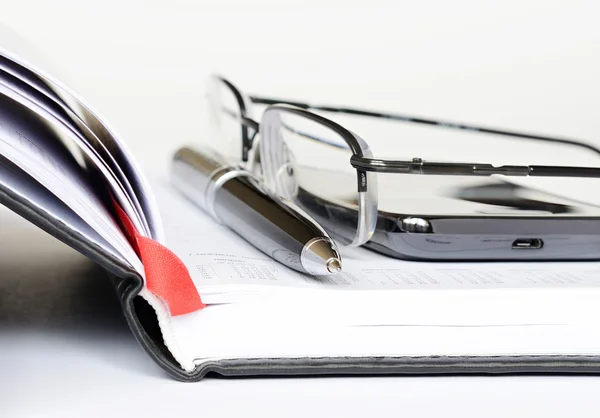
530 65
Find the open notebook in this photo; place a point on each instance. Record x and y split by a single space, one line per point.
199 299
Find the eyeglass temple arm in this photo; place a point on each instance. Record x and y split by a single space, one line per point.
247 138
418 166
250 123
430 122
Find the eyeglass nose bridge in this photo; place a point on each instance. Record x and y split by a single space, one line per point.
251 160
250 129
284 179
286 175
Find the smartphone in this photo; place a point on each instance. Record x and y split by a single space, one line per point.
463 218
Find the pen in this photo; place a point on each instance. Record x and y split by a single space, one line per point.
234 198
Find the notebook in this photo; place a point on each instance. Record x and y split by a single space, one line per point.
200 300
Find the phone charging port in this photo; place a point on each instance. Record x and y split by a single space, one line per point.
527 244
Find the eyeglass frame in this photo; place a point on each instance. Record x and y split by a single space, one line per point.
362 159
415 165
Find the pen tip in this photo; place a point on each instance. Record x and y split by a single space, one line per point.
334 265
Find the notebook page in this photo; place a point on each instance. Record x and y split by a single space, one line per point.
38 92
206 341
72 138
104 133
227 269
25 186
29 144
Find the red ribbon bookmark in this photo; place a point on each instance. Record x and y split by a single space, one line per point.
166 275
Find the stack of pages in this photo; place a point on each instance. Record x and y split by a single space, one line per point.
377 307
200 299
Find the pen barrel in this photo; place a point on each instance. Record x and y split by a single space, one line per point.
196 173
266 223
233 197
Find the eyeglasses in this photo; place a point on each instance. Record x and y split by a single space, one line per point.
330 172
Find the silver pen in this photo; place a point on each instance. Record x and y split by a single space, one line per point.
233 197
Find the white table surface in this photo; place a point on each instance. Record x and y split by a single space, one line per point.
65 349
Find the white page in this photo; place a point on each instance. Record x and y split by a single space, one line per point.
22 184
55 105
34 150
71 136
208 340
558 323
500 307
103 132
